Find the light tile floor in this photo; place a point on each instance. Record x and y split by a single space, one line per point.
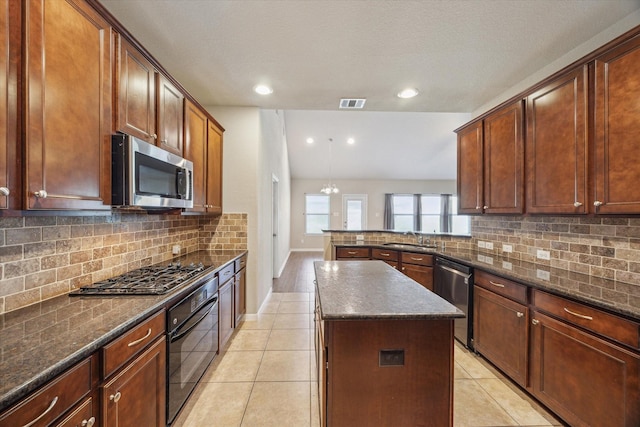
266 377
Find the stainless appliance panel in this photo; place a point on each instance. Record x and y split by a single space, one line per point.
454 283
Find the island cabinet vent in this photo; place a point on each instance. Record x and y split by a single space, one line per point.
352 104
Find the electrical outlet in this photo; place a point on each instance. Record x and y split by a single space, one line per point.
482 244
507 265
544 275
542 254
359 236
488 260
175 250
489 245
507 248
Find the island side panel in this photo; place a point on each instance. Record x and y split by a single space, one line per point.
363 393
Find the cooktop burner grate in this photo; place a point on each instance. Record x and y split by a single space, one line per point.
152 280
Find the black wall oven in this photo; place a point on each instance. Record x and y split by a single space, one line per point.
192 343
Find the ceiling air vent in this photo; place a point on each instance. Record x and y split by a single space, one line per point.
352 103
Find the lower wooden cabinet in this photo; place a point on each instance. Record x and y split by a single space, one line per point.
136 396
225 310
419 267
500 331
239 296
584 379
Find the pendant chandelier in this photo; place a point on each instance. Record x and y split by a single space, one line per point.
330 188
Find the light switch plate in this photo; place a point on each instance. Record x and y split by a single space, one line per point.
489 245
482 244
542 254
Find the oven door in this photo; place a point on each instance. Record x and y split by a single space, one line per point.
192 347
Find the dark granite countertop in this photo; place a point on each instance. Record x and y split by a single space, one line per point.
578 286
40 341
357 290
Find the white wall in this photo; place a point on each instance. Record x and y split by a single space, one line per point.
254 149
375 191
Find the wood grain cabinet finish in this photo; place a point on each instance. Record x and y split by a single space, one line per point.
419 267
617 130
501 333
136 93
68 96
195 149
136 395
470 169
225 312
240 296
584 379
10 170
170 116
556 148
349 253
390 257
214 168
504 161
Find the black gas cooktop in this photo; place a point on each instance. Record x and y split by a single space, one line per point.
152 280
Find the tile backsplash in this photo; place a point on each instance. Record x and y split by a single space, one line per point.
42 257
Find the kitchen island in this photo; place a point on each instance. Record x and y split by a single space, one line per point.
384 347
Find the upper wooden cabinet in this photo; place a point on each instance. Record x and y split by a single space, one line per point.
214 168
617 130
136 93
556 147
470 198
10 19
68 96
491 164
170 116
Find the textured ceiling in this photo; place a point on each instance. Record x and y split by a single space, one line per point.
459 54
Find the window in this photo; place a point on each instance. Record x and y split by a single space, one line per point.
403 212
426 213
430 217
316 208
460 224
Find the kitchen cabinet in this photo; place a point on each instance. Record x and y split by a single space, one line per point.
66 399
214 168
226 321
353 253
390 257
583 377
419 267
136 93
136 395
10 171
68 62
470 168
240 290
501 324
170 116
556 148
617 130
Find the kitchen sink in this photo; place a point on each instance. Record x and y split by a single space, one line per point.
411 246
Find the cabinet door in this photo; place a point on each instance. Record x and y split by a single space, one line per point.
470 200
617 130
504 161
136 93
501 333
214 168
195 149
226 313
68 105
583 379
556 146
9 60
239 296
419 273
136 396
321 363
170 115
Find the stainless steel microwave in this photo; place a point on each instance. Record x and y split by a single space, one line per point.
146 176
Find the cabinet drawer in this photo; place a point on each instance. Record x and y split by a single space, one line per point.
53 400
352 253
500 286
418 259
226 273
82 416
608 325
241 263
122 349
384 254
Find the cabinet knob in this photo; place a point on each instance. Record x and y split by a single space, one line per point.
597 203
577 204
42 194
4 191
535 321
164 141
477 207
519 314
88 423
154 136
485 207
115 397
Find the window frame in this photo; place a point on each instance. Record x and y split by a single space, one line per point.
307 214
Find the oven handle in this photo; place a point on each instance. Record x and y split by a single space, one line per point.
175 336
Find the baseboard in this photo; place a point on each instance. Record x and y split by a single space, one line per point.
307 250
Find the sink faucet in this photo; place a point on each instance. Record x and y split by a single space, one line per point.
418 237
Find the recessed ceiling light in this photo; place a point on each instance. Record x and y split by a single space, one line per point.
351 141
309 140
408 93
263 89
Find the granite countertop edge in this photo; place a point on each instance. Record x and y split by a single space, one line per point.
15 394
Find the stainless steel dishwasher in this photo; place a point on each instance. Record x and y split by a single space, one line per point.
454 282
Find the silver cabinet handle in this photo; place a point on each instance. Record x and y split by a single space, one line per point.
535 321
46 411
477 207
416 259
136 342
597 203
88 423
115 397
582 316
42 194
383 254
5 191
519 314
352 253
500 285
577 204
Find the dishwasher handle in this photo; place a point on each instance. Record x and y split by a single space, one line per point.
466 276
